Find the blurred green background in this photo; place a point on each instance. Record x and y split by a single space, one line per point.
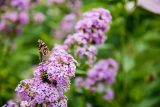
133 40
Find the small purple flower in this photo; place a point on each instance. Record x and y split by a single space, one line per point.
11 16
2 25
68 22
66 25
55 1
100 87
39 17
10 103
23 18
79 82
109 95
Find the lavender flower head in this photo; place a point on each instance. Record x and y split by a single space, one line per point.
104 70
101 75
95 23
51 80
90 32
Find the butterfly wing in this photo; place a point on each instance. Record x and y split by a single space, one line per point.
43 51
40 57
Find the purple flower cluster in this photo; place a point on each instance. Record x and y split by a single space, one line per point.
12 21
90 32
51 79
101 75
15 15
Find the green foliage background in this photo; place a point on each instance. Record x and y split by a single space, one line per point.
133 40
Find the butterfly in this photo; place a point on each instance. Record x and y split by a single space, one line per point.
43 51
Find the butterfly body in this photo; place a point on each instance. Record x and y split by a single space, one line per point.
43 51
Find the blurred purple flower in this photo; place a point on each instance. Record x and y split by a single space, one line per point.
54 1
66 26
109 95
11 16
100 87
2 25
39 17
68 22
74 5
15 15
21 4
23 18
10 103
79 82
102 74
